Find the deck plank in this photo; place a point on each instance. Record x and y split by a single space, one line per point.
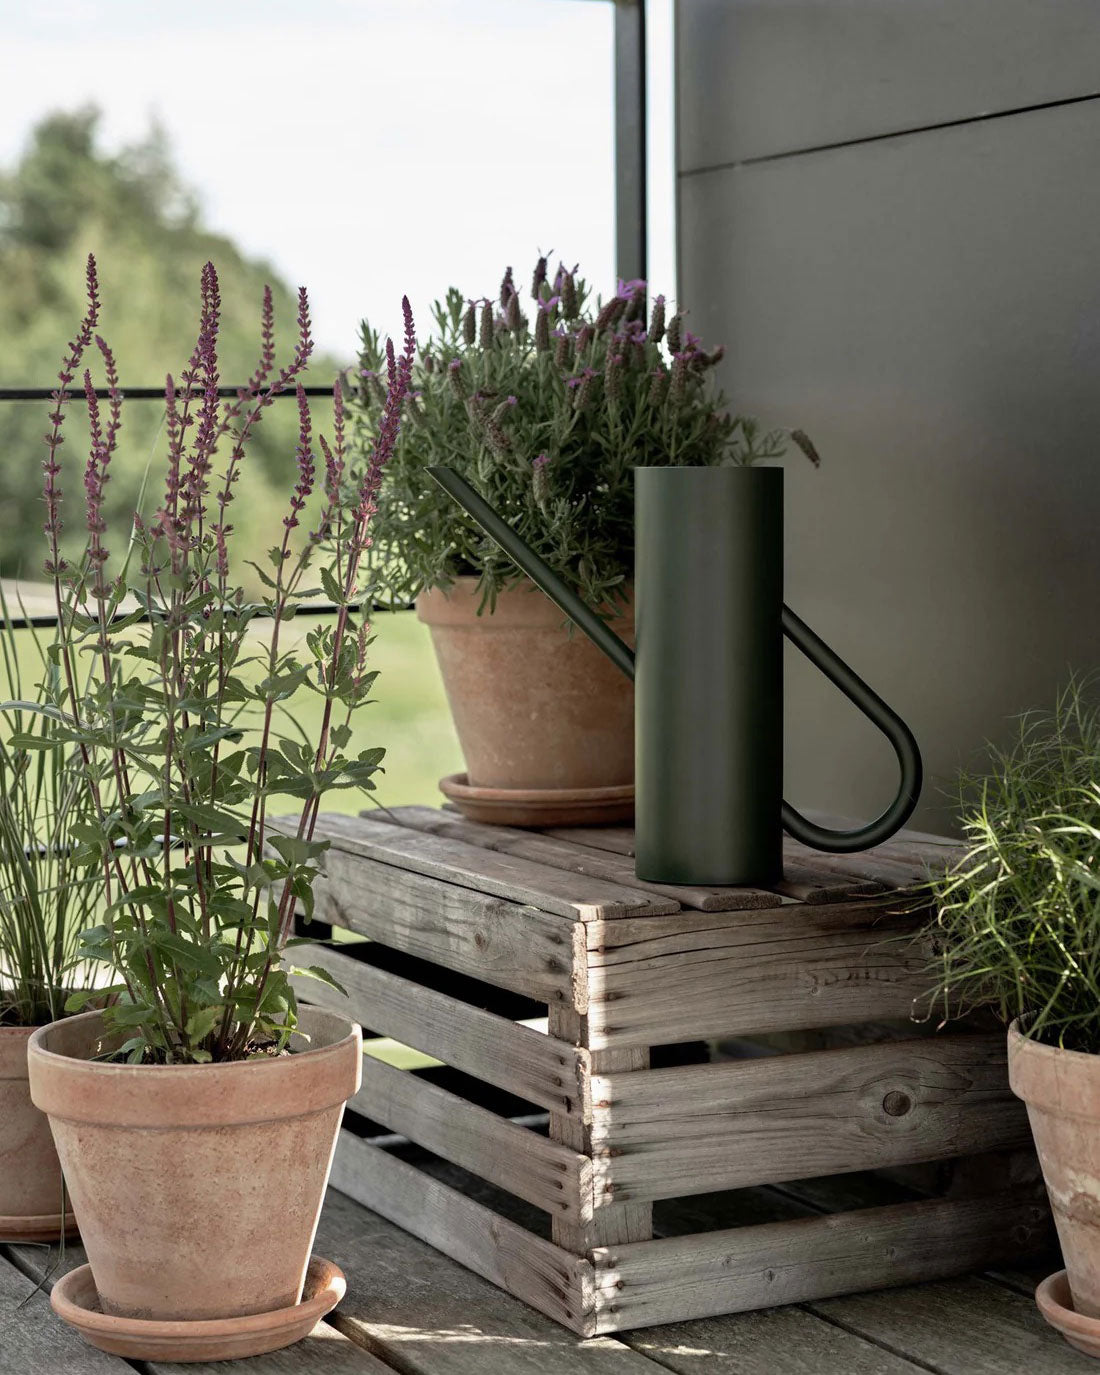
967 1326
34 1342
429 1316
324 1349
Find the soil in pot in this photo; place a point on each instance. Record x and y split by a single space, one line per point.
535 705
197 1187
1062 1091
31 1191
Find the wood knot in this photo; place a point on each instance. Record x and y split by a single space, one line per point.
896 1103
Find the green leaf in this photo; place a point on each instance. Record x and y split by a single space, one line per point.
314 971
200 1024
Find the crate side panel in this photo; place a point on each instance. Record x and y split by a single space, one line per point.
672 1132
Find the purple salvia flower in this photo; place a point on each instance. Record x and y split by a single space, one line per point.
303 454
388 429
94 468
54 437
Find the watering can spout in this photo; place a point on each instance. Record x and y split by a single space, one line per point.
479 510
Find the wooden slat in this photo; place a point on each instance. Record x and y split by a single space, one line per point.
545 849
542 1274
539 1068
808 1258
701 1128
519 879
726 974
502 943
544 1173
803 880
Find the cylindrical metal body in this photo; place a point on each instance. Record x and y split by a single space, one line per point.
709 677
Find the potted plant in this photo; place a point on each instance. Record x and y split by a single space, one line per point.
46 900
546 409
197 1115
1019 927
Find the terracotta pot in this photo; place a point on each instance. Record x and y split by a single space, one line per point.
535 706
197 1187
1062 1091
31 1193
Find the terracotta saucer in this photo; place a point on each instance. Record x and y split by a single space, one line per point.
540 806
40 1227
75 1300
1056 1305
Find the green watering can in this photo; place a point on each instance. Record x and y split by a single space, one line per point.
708 674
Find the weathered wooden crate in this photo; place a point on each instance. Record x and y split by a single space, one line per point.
610 1117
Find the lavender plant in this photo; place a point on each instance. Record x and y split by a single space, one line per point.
545 407
156 687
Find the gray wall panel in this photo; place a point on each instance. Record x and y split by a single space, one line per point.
928 308
758 77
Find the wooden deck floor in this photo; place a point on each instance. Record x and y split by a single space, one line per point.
410 1309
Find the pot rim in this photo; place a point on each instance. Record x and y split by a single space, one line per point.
70 1086
1051 1079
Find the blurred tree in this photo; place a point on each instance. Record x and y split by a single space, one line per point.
64 199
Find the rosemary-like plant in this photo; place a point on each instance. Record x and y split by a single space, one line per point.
200 889
546 408
46 898
1019 916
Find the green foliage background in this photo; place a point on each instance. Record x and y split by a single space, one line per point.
66 197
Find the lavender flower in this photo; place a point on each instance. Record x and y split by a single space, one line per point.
675 327
658 385
454 377
570 305
563 348
539 277
513 317
540 480
469 324
614 377
507 288
610 313
485 339
542 330
657 320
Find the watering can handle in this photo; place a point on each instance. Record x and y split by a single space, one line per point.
796 630
891 725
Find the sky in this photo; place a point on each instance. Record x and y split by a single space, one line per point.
365 148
